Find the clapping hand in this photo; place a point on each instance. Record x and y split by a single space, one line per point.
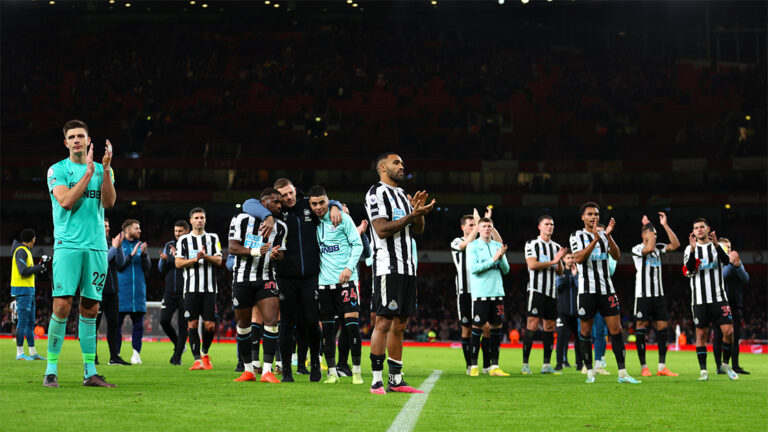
117 240
500 252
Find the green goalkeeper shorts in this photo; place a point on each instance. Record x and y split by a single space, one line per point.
79 269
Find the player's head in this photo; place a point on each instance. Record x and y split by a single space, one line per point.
701 229
131 229
272 199
546 225
106 226
600 227
28 236
318 200
180 227
468 224
725 244
76 137
287 191
485 228
197 219
390 168
590 214
568 259
648 230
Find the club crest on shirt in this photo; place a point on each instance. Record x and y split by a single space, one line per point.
392 305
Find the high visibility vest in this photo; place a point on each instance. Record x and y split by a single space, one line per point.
17 280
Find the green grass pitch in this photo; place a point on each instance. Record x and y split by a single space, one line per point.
158 396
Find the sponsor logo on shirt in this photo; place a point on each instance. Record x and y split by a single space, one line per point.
253 241
706 265
653 261
397 214
329 249
598 256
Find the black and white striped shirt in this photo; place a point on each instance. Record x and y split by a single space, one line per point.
542 281
393 254
245 229
460 261
594 275
707 281
199 277
648 276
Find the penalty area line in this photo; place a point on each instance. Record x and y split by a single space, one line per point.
409 415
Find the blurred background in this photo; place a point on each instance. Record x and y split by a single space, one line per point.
533 107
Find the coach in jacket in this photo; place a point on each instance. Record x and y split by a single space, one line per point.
132 283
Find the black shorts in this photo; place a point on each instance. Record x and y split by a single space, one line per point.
487 310
395 295
337 300
542 306
197 304
590 304
651 309
464 304
712 313
246 294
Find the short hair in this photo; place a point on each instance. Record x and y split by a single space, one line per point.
196 210
485 219
568 251
463 220
317 191
723 240
267 192
182 223
73 124
383 157
282 182
587 205
129 222
27 235
546 216
647 227
701 219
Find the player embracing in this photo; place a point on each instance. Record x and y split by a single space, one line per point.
253 283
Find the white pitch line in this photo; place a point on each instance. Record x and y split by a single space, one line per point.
409 415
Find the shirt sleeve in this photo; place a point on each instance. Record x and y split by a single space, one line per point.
637 250
254 208
354 241
235 233
456 244
662 247
57 176
283 234
216 245
576 244
374 205
530 252
181 248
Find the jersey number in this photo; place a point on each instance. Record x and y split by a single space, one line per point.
350 294
500 310
98 280
726 311
271 285
614 301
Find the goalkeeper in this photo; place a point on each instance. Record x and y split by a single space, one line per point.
23 288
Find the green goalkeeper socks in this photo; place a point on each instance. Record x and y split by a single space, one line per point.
86 332
57 328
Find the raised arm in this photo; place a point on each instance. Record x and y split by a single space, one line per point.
613 248
108 194
674 242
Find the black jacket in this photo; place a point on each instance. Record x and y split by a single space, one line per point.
174 278
567 293
302 252
115 258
